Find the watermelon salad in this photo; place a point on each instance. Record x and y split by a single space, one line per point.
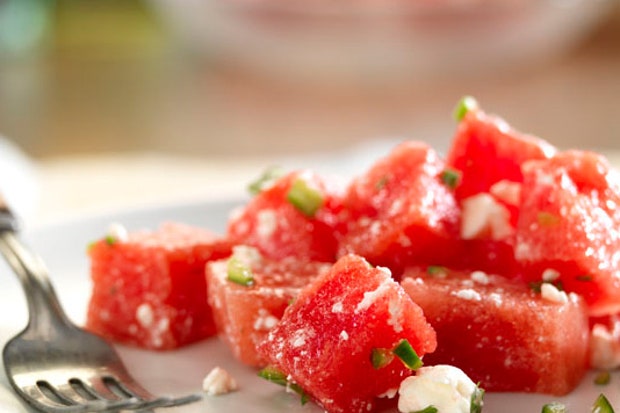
417 285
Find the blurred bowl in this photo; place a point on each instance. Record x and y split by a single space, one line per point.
380 39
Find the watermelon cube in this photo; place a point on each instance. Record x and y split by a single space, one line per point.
402 211
487 154
569 223
336 341
486 150
149 288
244 312
501 332
297 215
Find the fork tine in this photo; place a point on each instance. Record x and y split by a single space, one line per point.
132 388
41 400
130 394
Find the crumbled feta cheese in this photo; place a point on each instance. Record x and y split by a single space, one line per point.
483 214
550 275
337 307
300 336
144 315
480 277
371 296
496 298
344 335
118 232
395 310
507 191
267 222
605 346
389 394
551 293
446 387
218 382
468 294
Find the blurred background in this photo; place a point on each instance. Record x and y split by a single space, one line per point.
124 75
248 79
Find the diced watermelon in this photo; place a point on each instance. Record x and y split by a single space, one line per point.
326 338
500 332
273 223
402 212
244 314
488 154
149 290
486 150
569 222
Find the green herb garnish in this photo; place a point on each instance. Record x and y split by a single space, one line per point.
306 199
465 105
602 405
381 357
437 271
602 378
407 355
554 407
547 219
266 179
275 376
428 409
450 177
239 272
110 239
477 400
381 182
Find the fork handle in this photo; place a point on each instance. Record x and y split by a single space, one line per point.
7 219
43 305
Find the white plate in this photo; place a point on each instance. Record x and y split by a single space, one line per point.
63 247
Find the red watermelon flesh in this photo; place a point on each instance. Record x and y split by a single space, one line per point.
569 223
150 290
487 150
244 314
500 332
488 153
401 211
326 337
274 225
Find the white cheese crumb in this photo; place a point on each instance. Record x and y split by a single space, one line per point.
482 214
446 387
468 294
496 298
507 191
218 382
550 275
480 277
371 296
344 335
605 347
551 293
389 394
118 232
337 307
395 310
144 315
267 223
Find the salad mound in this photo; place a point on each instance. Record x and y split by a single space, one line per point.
506 252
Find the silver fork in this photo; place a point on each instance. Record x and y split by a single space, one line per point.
56 366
